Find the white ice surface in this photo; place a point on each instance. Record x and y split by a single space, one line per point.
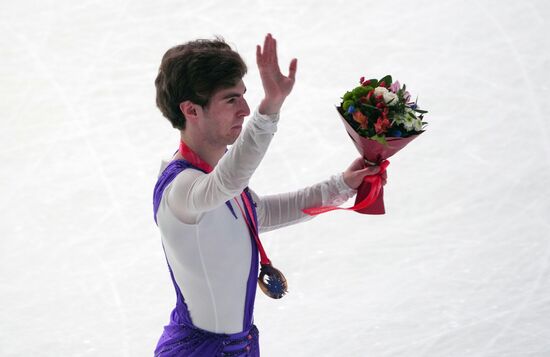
459 265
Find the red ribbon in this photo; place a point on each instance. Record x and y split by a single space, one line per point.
252 227
375 187
195 160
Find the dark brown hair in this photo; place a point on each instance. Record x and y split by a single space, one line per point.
194 71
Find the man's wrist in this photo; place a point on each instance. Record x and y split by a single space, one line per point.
343 182
269 106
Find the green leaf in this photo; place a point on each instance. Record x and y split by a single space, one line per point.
380 139
360 91
346 105
348 96
368 106
369 88
387 79
373 83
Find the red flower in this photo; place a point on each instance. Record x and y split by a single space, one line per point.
360 118
371 92
382 124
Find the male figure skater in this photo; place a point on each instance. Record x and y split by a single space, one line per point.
207 216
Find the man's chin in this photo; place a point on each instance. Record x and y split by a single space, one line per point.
235 132
233 137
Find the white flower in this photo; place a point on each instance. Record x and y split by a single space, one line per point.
410 122
417 125
401 119
380 91
390 98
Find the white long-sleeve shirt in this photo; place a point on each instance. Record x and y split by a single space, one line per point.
209 250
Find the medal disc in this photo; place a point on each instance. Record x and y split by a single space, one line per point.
272 282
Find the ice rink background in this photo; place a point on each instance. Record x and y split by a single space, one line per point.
459 265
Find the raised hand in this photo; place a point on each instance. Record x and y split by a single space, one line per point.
276 86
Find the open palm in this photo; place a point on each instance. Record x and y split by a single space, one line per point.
276 85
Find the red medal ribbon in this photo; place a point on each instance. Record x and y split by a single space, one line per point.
193 158
376 185
252 227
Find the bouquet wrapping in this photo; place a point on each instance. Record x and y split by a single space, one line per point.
381 119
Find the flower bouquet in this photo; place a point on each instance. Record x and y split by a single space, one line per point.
381 119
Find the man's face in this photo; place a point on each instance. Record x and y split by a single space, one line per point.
223 118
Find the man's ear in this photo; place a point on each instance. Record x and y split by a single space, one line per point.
190 110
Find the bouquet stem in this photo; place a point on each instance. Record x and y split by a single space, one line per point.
370 194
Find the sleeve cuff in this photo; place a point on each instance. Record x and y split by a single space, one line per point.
267 122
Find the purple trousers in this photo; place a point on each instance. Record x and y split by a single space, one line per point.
190 341
180 337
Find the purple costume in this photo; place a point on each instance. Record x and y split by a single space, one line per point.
180 336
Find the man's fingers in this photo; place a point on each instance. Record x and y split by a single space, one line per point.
266 43
269 48
263 51
373 170
292 69
370 170
273 50
258 54
268 53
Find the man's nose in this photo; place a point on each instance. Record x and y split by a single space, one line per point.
244 109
